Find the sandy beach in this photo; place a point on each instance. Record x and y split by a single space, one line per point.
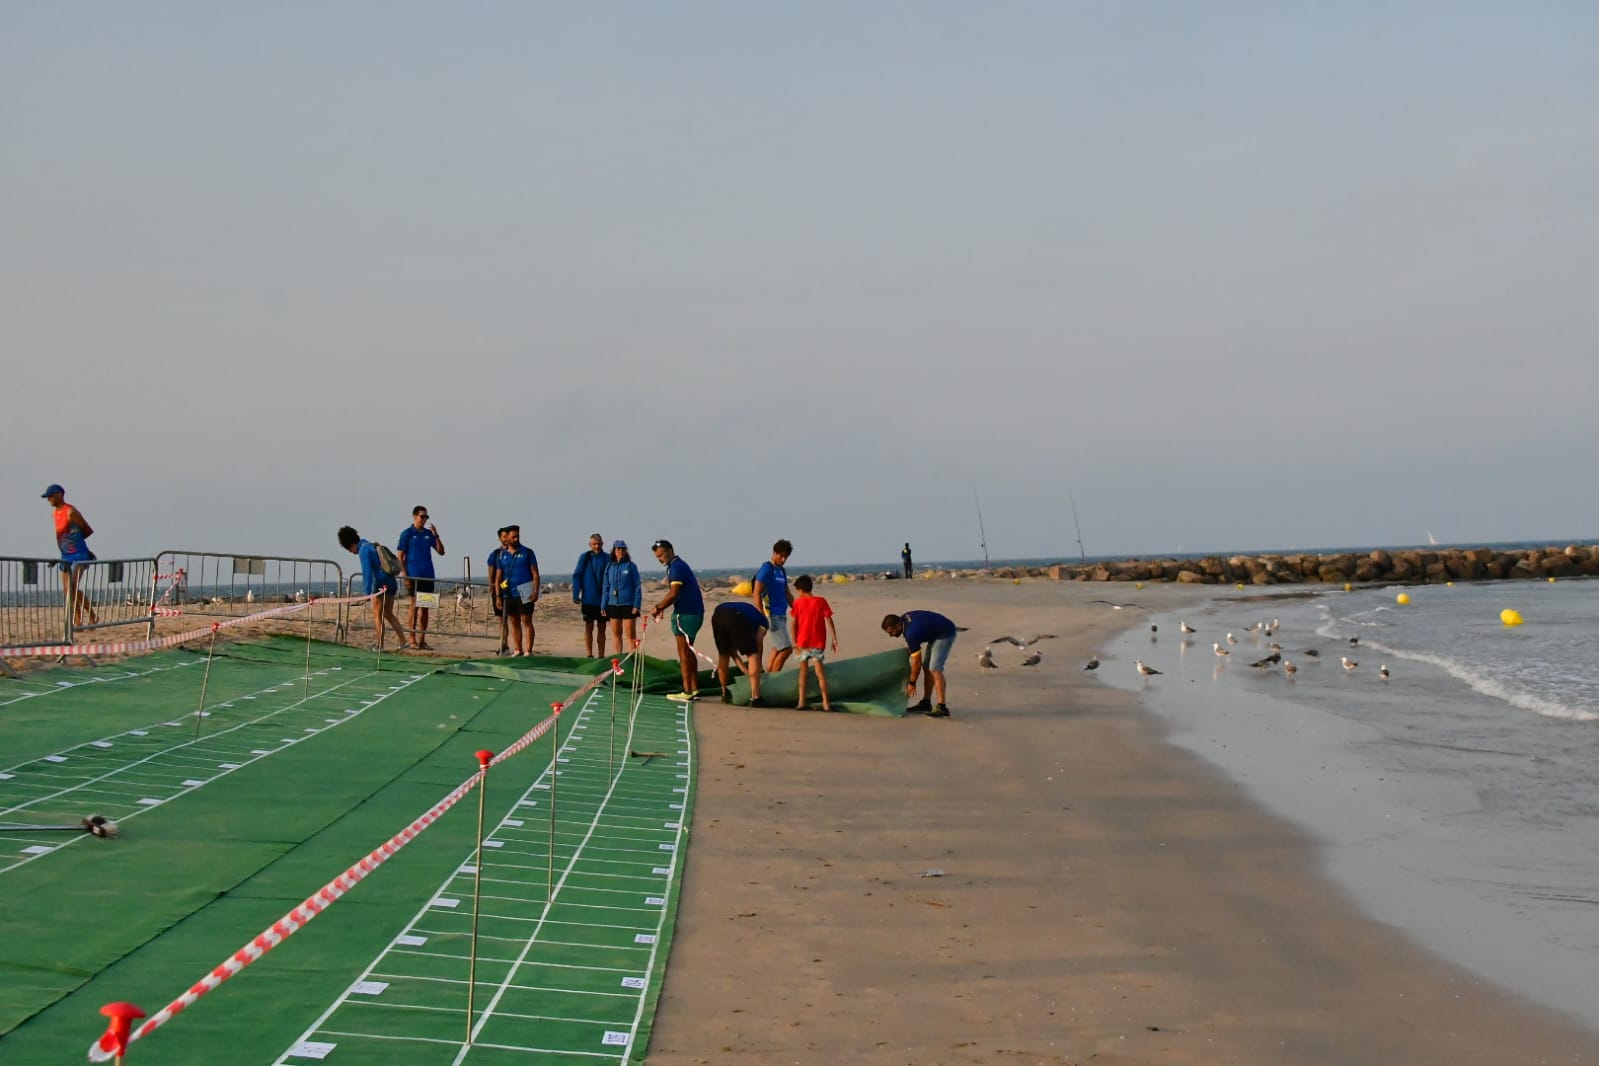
1039 879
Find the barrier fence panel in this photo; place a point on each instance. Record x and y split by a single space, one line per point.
107 592
464 608
227 585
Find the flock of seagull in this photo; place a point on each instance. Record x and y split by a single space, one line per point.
986 658
1223 651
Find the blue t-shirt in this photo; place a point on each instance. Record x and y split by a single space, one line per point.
775 581
924 627
417 547
746 610
372 575
688 599
517 566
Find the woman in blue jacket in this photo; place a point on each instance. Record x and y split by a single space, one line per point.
624 596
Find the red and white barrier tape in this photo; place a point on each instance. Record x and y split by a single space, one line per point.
105 1049
129 647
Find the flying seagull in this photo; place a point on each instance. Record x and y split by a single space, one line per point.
1113 605
1023 643
1147 671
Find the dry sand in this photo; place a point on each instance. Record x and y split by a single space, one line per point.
1105 897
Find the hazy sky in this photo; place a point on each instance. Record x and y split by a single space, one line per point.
1236 275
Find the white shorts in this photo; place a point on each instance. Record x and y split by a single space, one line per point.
813 655
777 636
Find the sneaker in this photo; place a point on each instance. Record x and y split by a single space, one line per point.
939 711
758 701
680 697
922 705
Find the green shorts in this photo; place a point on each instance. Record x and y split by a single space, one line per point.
688 625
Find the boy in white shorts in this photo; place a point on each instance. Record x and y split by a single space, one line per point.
813 621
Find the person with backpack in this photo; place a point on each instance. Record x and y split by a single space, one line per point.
377 581
588 592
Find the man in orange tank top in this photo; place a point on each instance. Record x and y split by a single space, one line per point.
72 535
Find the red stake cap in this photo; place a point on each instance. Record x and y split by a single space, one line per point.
484 757
557 706
122 1011
215 626
114 1043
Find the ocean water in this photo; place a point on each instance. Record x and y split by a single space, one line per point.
1458 800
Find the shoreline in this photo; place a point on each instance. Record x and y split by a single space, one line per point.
1105 896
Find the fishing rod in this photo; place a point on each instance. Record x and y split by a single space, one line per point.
982 536
1080 550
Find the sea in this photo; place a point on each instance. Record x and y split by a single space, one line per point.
1457 800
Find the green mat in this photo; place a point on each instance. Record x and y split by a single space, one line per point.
281 793
870 684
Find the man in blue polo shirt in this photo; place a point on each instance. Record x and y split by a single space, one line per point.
770 591
930 636
418 541
688 614
519 588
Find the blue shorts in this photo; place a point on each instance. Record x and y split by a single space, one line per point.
386 584
936 652
76 559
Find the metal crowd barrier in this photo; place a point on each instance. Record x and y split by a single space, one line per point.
33 601
465 608
226 585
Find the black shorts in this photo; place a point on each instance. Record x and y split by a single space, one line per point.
593 612
419 584
515 608
735 633
619 613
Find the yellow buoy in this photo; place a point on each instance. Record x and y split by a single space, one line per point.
1015 581
1449 584
1348 587
1140 584
743 588
1402 599
840 579
1551 581
1510 617
1239 585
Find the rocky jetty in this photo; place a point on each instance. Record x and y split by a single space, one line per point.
1410 566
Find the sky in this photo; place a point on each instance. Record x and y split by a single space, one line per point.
1227 276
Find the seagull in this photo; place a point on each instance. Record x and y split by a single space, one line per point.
1184 627
299 595
1147 671
1033 659
249 596
1231 639
1093 664
1274 646
1113 604
986 660
1220 651
1154 629
1349 664
1023 643
1290 669
1353 641
1313 653
1269 661
1255 628
1382 671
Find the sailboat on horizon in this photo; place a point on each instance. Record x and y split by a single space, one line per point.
1432 539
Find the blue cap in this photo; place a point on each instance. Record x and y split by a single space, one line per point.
53 490
615 544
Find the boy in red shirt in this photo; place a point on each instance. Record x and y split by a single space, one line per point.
813 621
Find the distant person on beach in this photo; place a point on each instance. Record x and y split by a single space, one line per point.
374 580
813 621
930 636
418 541
493 565
519 588
624 596
72 539
905 557
688 614
739 630
770 591
588 592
